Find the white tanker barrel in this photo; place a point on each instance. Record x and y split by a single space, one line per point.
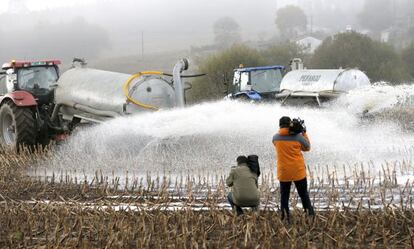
82 91
324 83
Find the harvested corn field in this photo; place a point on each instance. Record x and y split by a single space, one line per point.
63 211
55 225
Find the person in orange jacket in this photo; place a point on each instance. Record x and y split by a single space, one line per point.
291 165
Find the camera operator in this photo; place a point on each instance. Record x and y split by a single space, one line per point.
289 144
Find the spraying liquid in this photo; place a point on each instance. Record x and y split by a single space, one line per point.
209 136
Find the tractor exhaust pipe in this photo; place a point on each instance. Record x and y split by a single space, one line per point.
181 66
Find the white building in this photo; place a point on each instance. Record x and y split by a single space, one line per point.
309 44
385 35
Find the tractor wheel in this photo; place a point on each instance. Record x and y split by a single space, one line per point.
17 126
243 98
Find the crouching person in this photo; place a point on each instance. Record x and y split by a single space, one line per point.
244 186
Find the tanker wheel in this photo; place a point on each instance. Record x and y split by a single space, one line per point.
17 126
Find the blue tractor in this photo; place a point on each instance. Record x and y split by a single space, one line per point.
256 83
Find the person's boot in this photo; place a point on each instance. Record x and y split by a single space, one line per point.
285 217
311 214
255 210
310 211
239 211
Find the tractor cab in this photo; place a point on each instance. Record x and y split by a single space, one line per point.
38 78
256 83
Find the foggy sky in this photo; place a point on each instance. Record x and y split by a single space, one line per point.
34 5
166 25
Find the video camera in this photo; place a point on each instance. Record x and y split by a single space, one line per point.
297 126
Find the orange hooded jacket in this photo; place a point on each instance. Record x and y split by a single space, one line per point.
290 161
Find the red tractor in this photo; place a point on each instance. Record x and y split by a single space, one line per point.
26 103
35 107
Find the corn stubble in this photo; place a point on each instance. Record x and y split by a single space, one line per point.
64 211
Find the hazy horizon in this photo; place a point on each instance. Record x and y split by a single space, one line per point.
109 28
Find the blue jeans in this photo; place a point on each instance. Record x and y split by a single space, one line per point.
239 210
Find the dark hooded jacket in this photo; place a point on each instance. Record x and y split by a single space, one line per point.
253 163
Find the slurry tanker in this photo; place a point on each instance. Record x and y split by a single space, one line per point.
314 86
38 105
300 86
